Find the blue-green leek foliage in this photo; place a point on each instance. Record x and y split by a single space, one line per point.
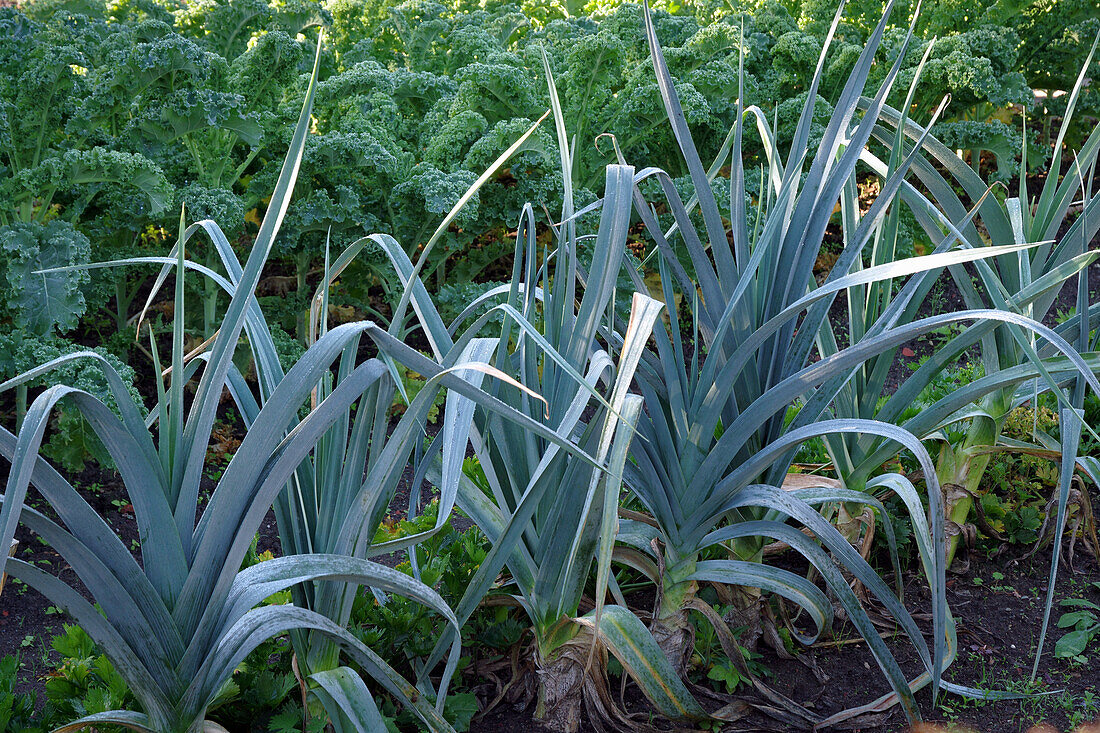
1026 289
714 448
551 513
1017 364
177 625
1026 283
338 497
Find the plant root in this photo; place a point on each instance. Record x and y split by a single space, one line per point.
676 637
577 677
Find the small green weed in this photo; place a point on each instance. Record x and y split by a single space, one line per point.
1084 626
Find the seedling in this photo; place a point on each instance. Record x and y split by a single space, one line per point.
1085 627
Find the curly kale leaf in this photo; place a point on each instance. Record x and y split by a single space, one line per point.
321 214
287 348
454 297
134 11
293 17
429 193
344 187
418 32
600 66
43 10
142 64
794 59
626 21
201 118
1054 43
978 66
502 90
361 30
354 20
352 93
186 112
1055 40
19 354
789 111
646 138
87 172
39 83
593 70
72 440
37 302
531 175
223 27
452 139
710 61
264 73
467 45
994 136
217 204
391 104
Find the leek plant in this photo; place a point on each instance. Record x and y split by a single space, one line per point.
1020 359
177 625
714 450
871 308
340 492
338 497
550 513
550 510
1026 282
875 306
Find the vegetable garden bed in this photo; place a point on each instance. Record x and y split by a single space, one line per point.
407 366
